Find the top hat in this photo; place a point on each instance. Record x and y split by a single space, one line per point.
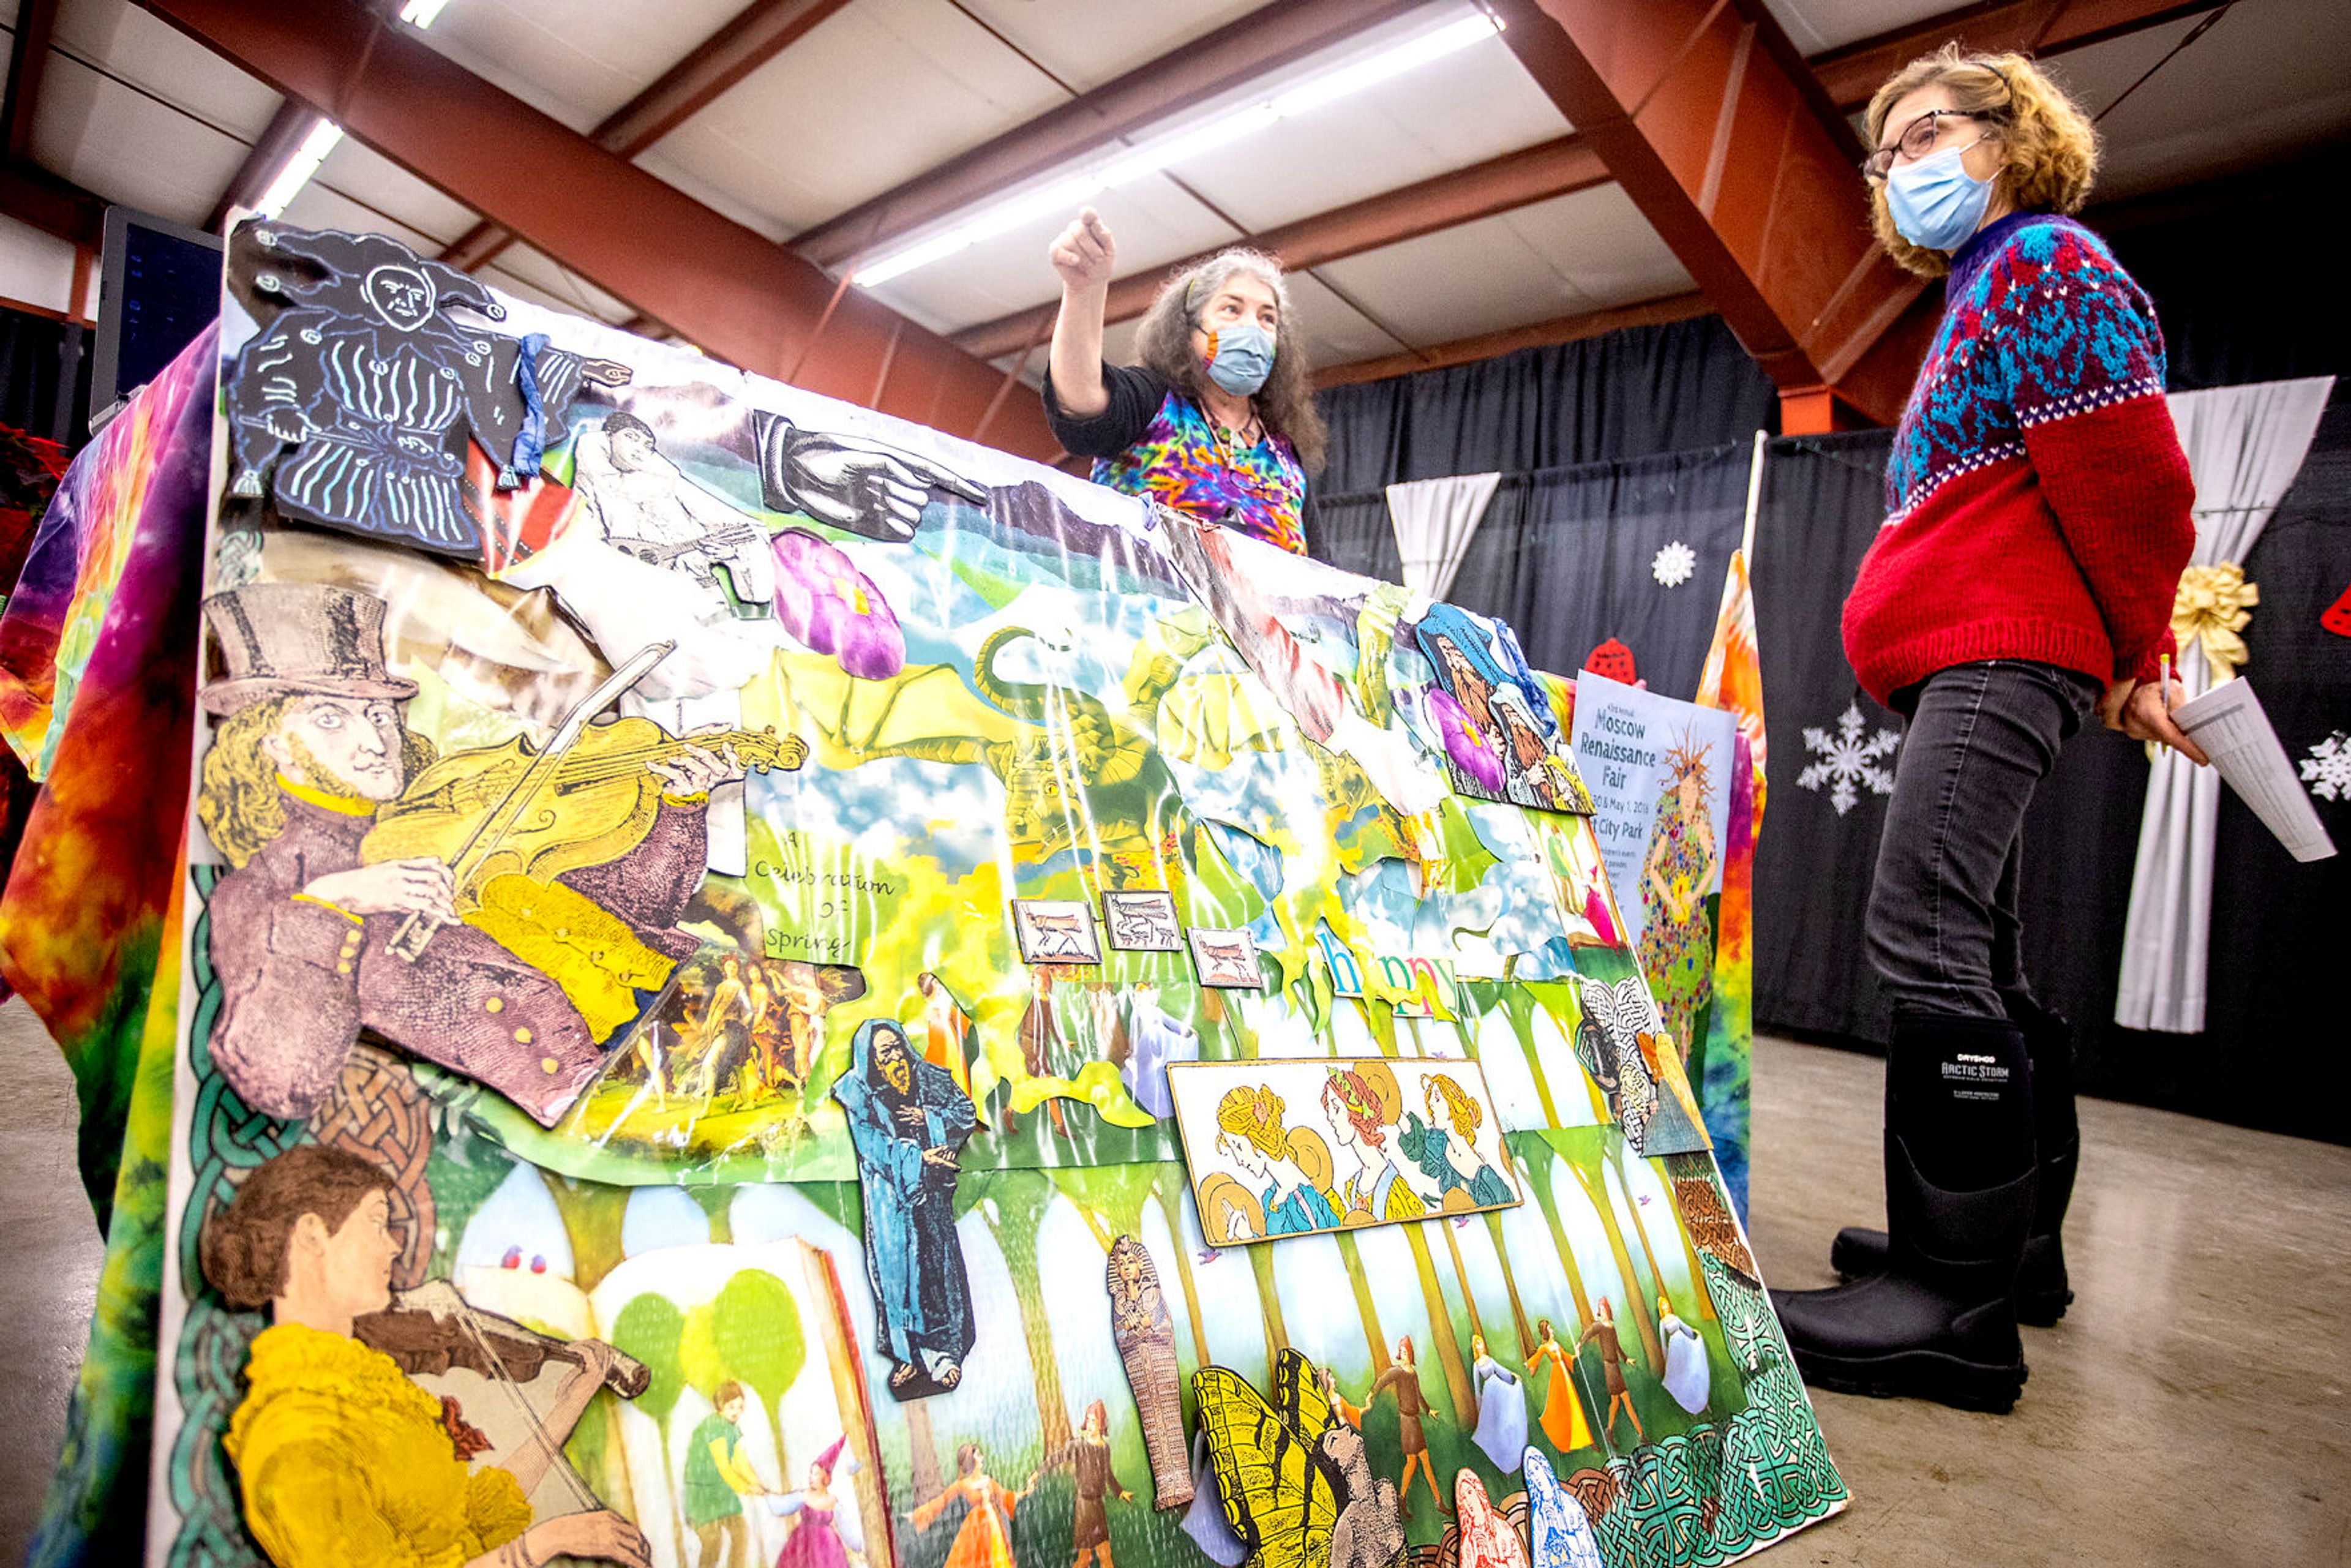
280 637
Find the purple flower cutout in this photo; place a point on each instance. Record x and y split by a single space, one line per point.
829 605
1470 750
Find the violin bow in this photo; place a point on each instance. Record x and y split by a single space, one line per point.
408 942
456 1308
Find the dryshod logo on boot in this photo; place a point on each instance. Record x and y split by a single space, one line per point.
1986 1073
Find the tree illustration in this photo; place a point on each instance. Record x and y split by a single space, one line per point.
1548 1201
650 1328
1644 1313
755 1327
1366 1308
1268 1301
1493 1219
591 1214
1013 1204
1169 1189
1440 1320
1616 1158
1518 1003
922 1453
713 1201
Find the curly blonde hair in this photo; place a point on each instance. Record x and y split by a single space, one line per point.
238 800
1459 1108
2048 149
1255 1115
1285 402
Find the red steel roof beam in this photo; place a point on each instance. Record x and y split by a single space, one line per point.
28 62
1734 163
2043 27
722 285
759 32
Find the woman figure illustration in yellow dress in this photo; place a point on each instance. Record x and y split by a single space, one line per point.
340 1458
1563 1417
985 1538
1360 1115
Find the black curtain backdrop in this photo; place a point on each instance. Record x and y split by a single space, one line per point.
2222 326
37 395
1630 393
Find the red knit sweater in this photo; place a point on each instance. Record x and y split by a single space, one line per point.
2038 497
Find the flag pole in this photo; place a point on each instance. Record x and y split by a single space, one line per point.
1754 502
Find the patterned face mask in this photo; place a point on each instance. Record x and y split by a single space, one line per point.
1241 357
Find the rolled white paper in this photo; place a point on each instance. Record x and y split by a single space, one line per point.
2228 724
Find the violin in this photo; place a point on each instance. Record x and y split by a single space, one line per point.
430 1330
597 805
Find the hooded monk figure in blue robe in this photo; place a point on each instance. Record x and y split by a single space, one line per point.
907 1119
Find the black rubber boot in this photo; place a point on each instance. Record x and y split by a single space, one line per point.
1940 1321
2042 1293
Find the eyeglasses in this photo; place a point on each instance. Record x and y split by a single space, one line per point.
1918 140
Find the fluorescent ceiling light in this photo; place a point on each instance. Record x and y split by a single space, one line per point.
300 168
288 181
1169 148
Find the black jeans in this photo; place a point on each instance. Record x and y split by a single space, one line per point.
1942 926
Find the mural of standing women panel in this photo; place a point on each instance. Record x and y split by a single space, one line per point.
702 903
1288 1148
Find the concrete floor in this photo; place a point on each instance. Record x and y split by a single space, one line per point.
49 1277
2190 1410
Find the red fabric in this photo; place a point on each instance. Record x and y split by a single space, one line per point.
2069 555
2336 617
1613 661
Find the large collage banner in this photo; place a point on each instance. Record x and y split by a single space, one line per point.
693 895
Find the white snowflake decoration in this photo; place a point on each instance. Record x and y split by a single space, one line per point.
1672 565
2327 768
1847 761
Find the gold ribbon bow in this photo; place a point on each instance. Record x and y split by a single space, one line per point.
2214 605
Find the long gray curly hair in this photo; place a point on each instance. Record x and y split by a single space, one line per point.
1285 402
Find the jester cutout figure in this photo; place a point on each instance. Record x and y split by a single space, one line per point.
1614 1358
1402 1379
907 1120
358 397
1087 1458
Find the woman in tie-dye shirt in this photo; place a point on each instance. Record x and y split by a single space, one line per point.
1218 419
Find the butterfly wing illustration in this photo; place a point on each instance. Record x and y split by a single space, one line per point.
1276 1494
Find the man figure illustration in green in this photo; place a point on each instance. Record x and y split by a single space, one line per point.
718 1476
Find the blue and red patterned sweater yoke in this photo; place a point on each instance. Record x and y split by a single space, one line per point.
2037 502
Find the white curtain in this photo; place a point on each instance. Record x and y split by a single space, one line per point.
1434 519
2244 446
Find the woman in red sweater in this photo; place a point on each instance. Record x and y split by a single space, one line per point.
2039 521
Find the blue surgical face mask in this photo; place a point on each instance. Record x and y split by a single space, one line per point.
1241 357
1936 202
